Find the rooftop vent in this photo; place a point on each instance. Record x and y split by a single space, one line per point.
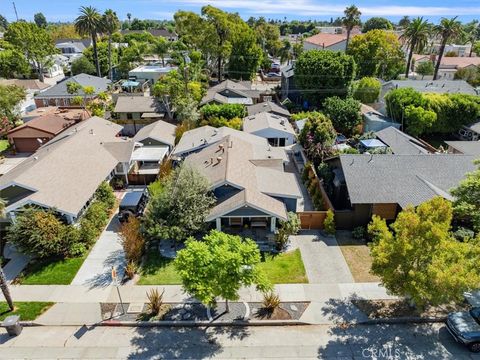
219 160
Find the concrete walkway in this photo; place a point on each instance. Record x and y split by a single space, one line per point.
107 252
16 264
323 259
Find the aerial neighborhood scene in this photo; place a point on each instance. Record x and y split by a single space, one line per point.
222 180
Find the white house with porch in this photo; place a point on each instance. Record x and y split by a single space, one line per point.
250 185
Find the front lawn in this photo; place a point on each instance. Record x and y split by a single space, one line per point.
51 271
284 268
158 270
28 310
357 256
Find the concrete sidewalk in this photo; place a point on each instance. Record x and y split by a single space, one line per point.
174 293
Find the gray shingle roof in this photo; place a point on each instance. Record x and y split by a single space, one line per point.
60 90
437 86
266 120
400 143
158 130
243 90
402 179
267 106
140 104
466 147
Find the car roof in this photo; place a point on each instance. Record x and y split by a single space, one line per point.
131 198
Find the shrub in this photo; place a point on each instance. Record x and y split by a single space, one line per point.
155 301
287 228
270 301
88 232
367 90
344 113
97 215
358 233
318 201
105 194
463 234
329 223
131 270
306 172
132 240
226 111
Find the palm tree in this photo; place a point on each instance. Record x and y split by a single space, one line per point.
350 20
472 33
416 35
286 52
3 279
89 22
110 24
447 29
160 48
129 17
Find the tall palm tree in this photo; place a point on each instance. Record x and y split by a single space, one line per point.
89 22
129 17
448 29
416 35
350 20
286 52
110 24
160 48
472 34
3 279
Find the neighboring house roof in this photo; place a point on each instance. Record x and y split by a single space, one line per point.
266 120
466 147
434 86
85 42
267 106
401 143
366 109
241 89
78 45
60 90
159 130
325 40
372 143
288 71
474 127
454 62
402 179
49 123
231 161
35 85
139 104
64 173
196 139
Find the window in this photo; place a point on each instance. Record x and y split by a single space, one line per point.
129 116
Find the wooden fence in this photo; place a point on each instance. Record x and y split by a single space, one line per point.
312 220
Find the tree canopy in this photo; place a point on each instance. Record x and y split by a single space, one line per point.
40 20
219 266
467 200
344 113
377 23
420 259
82 65
180 208
323 73
10 97
367 89
378 54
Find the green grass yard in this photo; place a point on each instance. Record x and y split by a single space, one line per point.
4 145
27 310
285 268
51 272
280 269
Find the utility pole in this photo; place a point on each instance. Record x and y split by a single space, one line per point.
15 8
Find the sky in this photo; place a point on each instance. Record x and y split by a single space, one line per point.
66 10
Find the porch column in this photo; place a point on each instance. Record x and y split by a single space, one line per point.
218 221
273 222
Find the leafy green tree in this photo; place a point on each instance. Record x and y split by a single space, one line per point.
404 21
313 74
470 75
418 120
89 23
344 113
350 20
419 259
62 31
40 20
447 30
133 56
82 66
187 111
161 47
416 34
180 209
377 23
170 88
104 56
377 53
3 22
466 205
425 68
245 55
10 97
104 193
13 63
34 42
110 24
219 266
268 37
367 89
317 136
227 111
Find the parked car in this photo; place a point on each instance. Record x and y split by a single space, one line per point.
464 326
133 203
273 75
341 139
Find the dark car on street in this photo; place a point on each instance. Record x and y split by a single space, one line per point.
133 203
464 326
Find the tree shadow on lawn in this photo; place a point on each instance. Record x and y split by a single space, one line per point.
181 342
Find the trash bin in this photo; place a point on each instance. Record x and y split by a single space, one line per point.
12 324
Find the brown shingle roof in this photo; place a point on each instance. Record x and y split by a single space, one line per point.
325 40
50 123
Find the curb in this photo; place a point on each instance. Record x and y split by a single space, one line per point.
201 323
403 320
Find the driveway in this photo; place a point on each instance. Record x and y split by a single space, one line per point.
107 252
322 257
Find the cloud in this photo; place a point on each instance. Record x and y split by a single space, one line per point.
309 8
